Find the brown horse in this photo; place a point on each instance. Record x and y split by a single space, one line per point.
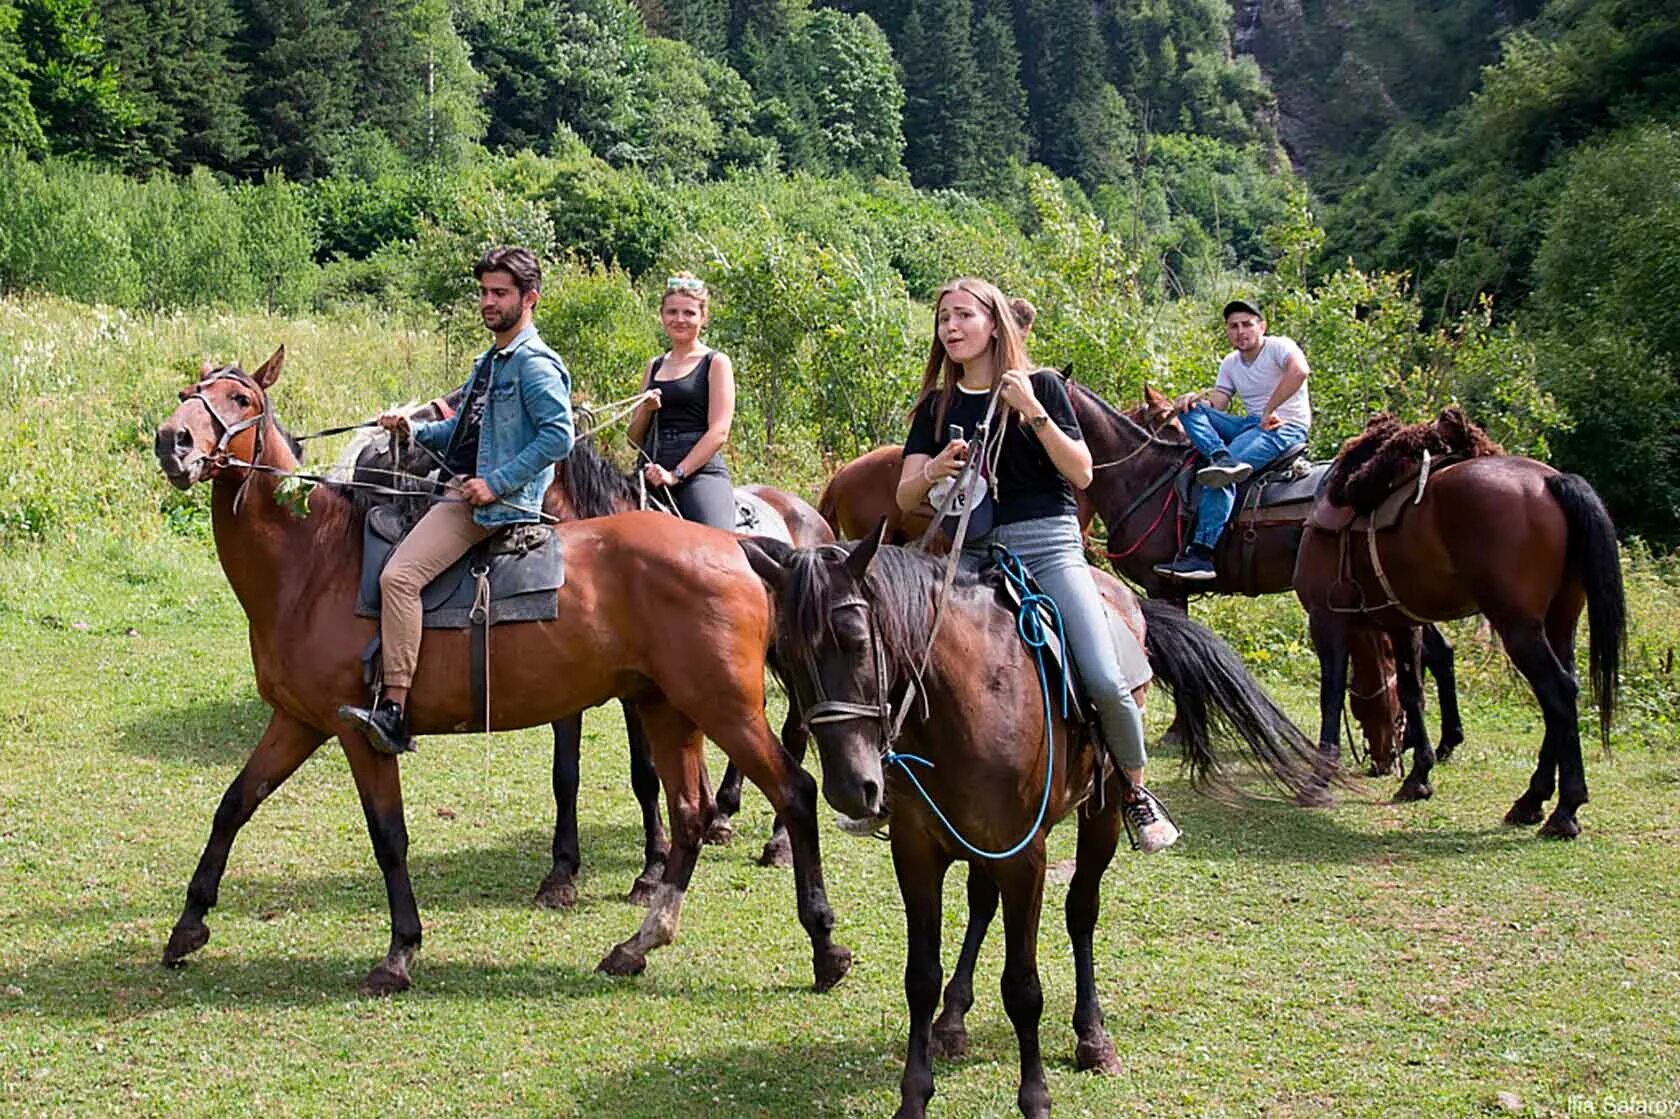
1503 536
1143 450
588 485
668 615
1001 769
1138 455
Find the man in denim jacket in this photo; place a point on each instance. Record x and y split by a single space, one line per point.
513 425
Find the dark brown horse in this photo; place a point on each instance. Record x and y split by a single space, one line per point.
668 615
1506 537
588 485
1138 455
852 628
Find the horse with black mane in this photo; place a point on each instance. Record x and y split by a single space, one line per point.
855 628
587 484
668 615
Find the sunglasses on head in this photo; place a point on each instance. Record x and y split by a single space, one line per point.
684 283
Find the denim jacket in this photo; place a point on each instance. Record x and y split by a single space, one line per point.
527 428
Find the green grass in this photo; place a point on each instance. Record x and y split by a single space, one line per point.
1369 960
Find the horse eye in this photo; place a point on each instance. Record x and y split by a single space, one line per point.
242 400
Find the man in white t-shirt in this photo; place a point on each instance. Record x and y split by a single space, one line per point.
1269 375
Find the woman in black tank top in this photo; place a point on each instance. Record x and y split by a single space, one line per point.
683 428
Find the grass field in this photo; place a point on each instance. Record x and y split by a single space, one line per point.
1367 960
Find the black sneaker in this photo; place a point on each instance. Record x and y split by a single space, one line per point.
1194 566
1223 471
1148 825
386 725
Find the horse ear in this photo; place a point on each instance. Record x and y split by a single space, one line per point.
768 559
205 368
269 371
1153 397
857 564
1066 373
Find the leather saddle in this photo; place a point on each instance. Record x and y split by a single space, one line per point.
1288 479
526 565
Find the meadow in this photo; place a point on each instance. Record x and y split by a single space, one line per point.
1369 959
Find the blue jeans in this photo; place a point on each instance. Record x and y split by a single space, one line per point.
1053 552
1213 431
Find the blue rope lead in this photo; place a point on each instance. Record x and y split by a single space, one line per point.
1030 625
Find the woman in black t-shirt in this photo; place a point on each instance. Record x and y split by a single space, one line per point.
684 426
976 343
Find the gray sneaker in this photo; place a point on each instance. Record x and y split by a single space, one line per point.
1147 822
1223 471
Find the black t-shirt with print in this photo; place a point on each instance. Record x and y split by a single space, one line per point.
1028 484
461 456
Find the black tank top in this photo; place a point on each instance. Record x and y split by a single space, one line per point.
684 414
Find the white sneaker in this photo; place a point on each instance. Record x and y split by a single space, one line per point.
1147 821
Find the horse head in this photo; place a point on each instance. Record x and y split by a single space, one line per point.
835 653
223 416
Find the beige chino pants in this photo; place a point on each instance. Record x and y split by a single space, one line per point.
443 536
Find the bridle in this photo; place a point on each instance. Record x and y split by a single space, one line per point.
219 457
826 710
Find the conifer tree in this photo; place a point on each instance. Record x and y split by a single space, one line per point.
944 111
18 126
299 56
1002 135
72 88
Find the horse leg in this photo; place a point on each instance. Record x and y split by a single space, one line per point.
644 780
1099 835
677 751
1561 618
1023 895
1330 640
778 851
284 746
1438 660
559 889
920 867
721 829
1555 690
793 795
379 785
950 1034
1409 681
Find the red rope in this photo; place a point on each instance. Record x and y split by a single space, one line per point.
1172 496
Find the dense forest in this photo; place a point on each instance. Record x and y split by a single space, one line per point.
1476 200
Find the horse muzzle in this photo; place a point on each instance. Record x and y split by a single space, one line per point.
179 457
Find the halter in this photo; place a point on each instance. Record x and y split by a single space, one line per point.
219 457
841 711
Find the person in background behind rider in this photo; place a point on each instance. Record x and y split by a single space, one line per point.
500 447
690 412
1269 375
976 341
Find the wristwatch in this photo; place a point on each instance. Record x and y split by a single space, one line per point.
1037 422
678 474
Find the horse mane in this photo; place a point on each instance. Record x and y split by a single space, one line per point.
901 586
595 487
1373 463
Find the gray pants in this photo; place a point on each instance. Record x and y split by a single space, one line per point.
1052 551
709 498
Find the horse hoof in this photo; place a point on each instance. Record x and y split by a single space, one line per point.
778 852
621 961
1560 827
949 1042
719 832
1525 812
831 967
1413 790
642 890
557 892
384 980
1314 796
184 941
1097 1055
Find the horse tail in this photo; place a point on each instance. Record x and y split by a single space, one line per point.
1594 555
827 508
1212 689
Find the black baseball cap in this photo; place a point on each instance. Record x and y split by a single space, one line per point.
1236 305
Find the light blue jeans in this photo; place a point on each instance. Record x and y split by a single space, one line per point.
1213 431
1053 552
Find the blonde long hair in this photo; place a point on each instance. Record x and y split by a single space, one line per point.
1008 350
